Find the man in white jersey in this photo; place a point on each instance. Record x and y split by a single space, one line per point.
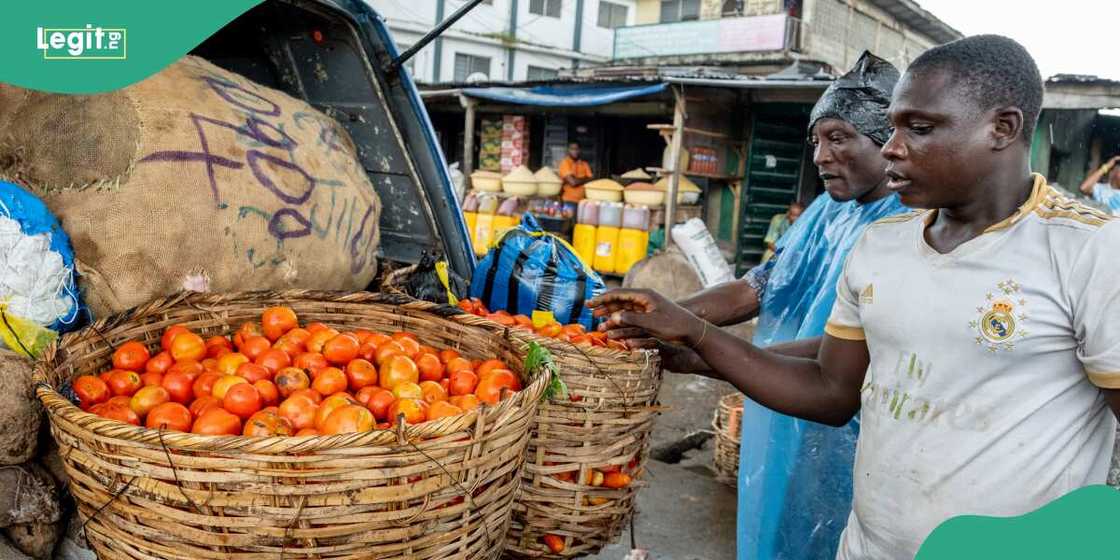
977 338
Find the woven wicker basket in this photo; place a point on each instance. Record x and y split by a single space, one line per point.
727 423
607 421
441 489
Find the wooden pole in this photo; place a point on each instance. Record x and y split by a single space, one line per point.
675 149
468 134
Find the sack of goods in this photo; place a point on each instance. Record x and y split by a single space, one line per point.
534 273
38 294
195 178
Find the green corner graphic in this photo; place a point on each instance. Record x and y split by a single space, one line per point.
86 46
1080 525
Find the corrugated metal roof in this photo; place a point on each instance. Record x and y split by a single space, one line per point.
918 18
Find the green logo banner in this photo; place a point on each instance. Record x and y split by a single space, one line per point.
1081 524
93 46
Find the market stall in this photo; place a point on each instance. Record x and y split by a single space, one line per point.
738 147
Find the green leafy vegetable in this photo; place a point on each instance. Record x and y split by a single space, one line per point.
539 361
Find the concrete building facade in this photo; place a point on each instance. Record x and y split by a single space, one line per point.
507 40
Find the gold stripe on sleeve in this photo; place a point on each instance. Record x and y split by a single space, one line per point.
845 333
1102 380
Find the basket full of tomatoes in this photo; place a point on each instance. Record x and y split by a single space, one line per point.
590 438
293 424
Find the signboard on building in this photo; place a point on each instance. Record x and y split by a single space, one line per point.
726 35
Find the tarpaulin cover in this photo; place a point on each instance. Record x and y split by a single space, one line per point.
564 95
530 270
860 97
795 477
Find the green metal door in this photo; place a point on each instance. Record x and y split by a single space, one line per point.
774 161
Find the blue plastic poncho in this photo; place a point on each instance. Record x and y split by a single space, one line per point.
795 476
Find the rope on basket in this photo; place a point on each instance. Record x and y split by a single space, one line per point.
175 472
118 494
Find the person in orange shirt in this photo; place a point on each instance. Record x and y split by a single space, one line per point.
575 173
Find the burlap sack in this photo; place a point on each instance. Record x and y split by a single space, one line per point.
194 169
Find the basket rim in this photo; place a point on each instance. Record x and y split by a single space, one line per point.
57 405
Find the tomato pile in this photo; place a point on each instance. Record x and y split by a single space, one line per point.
574 333
275 378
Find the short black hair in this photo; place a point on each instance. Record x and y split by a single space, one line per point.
993 70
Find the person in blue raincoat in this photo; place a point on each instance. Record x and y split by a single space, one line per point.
795 477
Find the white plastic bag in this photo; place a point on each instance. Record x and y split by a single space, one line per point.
458 181
703 254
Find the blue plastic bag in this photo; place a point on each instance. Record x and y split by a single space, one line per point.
795 477
531 270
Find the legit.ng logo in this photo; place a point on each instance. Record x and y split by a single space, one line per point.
88 43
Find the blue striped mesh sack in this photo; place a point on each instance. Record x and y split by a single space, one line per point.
531 271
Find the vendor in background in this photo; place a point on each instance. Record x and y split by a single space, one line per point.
778 226
1105 192
575 172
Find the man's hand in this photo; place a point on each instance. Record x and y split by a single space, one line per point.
646 310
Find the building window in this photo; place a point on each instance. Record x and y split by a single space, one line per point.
550 8
732 7
538 74
679 10
467 64
612 15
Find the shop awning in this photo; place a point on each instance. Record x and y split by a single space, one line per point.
564 95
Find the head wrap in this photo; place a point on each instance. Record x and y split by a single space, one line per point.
860 98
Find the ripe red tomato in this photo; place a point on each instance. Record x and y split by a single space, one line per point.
270 395
170 334
118 412
379 403
224 384
131 356
308 393
151 378
91 391
310 361
276 321
254 346
204 384
329 381
191 368
216 346
253 373
328 406
341 349
169 416
188 346
217 422
348 419
361 373
273 360
179 387
124 383
431 369
300 411
159 363
463 382
243 400
202 404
